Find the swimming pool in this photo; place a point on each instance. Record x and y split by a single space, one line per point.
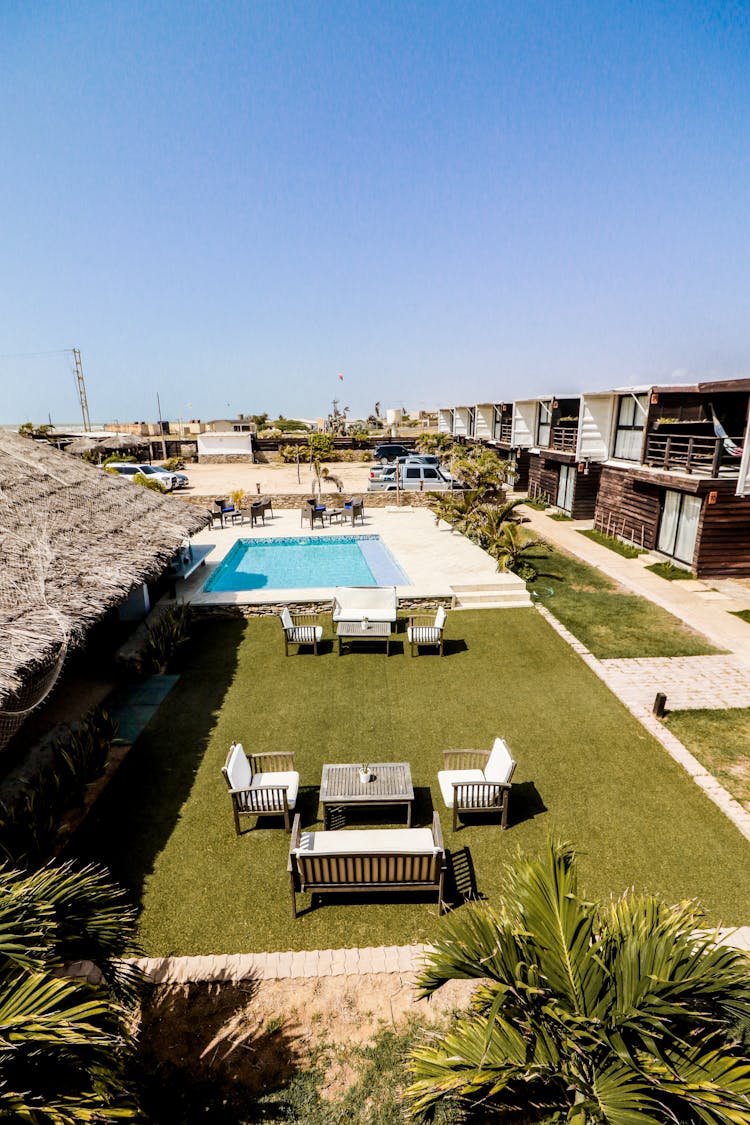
303 563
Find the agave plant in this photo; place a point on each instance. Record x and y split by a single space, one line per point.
626 1013
64 1042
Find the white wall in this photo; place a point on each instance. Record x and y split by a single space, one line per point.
445 421
225 444
485 415
524 422
595 426
460 421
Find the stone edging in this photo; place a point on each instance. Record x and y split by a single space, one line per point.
700 775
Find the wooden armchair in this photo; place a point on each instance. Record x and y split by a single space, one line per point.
354 509
422 630
477 780
300 629
261 784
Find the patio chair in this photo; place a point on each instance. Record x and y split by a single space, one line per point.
354 509
477 781
261 784
423 630
300 630
225 511
259 507
310 512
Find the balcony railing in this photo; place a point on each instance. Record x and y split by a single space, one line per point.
691 454
504 432
564 439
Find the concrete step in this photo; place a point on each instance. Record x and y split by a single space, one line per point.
487 596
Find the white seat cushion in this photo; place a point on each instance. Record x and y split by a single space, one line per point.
447 777
440 617
423 634
306 634
500 764
408 841
290 778
286 618
239 771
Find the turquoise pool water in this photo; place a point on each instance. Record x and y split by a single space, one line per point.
304 562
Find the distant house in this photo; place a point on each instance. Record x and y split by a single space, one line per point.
78 545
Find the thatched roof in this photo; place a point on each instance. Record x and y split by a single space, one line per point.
74 542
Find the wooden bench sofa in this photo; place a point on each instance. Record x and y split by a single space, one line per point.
367 860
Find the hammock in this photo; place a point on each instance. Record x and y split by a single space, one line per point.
730 446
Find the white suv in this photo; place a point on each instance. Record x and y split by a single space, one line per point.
154 472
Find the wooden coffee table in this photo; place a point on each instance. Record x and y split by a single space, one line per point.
390 784
358 631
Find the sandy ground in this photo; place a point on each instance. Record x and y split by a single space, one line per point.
253 1035
221 480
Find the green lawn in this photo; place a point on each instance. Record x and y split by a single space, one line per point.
720 741
743 613
611 623
587 771
612 543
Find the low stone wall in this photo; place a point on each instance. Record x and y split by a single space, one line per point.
334 500
273 609
227 459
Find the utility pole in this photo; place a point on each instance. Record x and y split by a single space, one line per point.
81 389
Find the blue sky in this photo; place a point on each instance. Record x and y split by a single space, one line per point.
232 203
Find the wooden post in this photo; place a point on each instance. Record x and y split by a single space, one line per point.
660 705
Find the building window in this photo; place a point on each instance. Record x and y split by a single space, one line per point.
631 418
471 421
544 419
497 422
678 527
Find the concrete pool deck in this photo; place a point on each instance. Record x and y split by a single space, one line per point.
439 563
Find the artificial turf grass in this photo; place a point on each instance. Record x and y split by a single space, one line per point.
610 623
719 739
670 572
587 772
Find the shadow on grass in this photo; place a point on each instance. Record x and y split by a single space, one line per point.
135 817
460 878
524 804
204 1055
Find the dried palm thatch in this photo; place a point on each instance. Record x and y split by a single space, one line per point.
74 542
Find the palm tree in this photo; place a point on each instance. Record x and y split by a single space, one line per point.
624 1013
515 552
480 468
439 443
64 1042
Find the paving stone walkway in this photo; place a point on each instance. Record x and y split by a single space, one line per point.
700 775
689 682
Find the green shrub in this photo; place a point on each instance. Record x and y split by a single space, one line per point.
165 636
174 464
538 502
149 482
118 459
613 543
29 824
288 454
671 572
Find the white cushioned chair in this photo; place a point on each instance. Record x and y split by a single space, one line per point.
261 784
424 631
477 780
300 630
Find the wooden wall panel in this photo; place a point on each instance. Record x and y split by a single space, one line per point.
627 506
723 548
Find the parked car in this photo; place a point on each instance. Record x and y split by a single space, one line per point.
165 478
181 481
413 477
413 459
389 451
